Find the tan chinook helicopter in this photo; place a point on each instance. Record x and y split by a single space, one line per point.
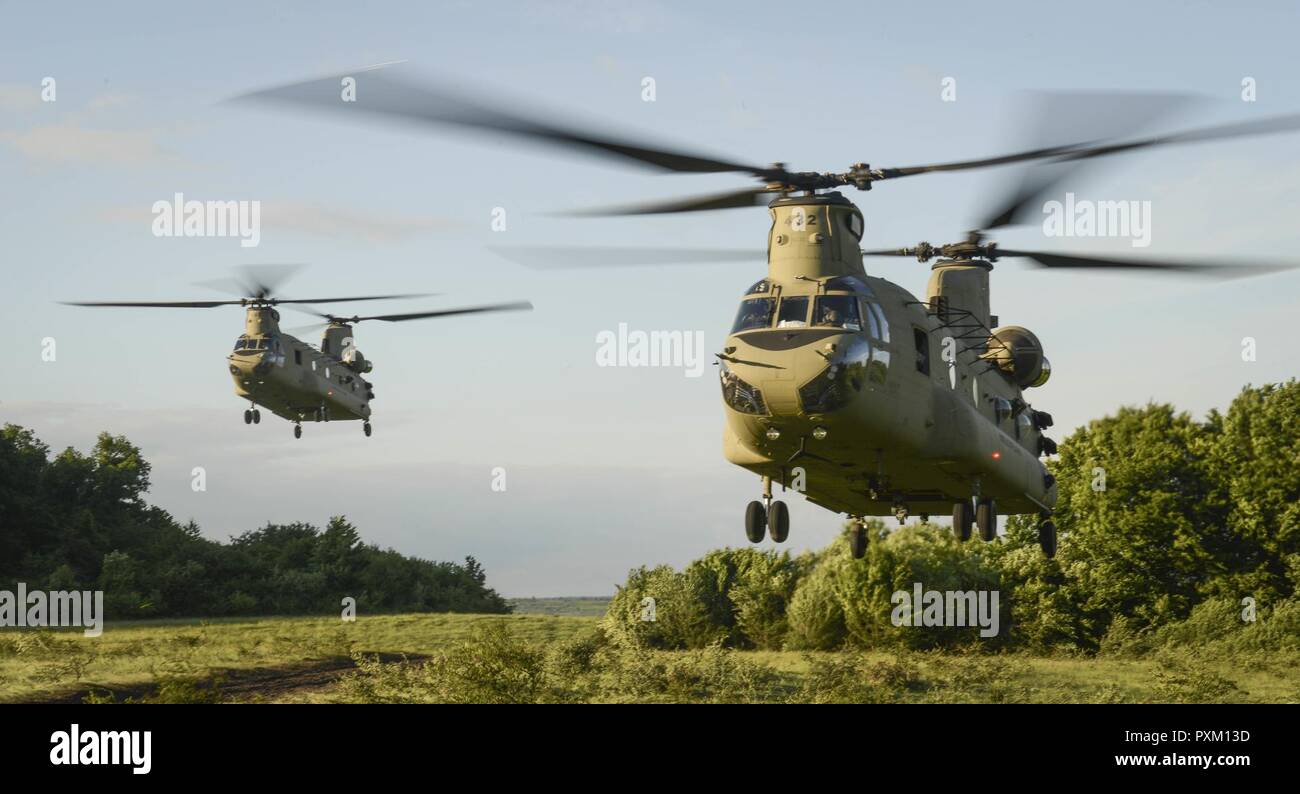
841 385
289 377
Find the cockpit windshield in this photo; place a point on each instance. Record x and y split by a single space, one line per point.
754 313
794 312
837 311
247 344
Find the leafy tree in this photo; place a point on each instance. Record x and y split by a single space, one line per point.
77 521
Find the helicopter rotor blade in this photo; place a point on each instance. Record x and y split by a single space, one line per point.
395 318
155 304
890 252
749 197
557 256
381 92
1221 269
278 301
1060 115
1081 151
261 281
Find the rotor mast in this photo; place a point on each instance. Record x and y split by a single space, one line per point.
812 237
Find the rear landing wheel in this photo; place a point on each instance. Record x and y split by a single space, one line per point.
755 522
366 429
297 431
778 522
1047 538
963 516
986 518
857 540
248 417
257 417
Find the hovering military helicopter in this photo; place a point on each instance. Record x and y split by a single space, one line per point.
289 377
836 383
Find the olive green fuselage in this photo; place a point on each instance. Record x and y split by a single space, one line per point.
295 380
864 398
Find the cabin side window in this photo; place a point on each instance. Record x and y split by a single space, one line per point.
922 342
297 357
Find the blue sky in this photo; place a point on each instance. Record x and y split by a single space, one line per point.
607 468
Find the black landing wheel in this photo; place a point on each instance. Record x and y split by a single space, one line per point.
986 518
755 522
963 516
778 522
858 540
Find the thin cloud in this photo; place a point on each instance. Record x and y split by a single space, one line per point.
338 222
69 143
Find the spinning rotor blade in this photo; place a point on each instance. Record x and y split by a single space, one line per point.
1222 269
1059 116
156 304
1082 151
593 256
278 301
1219 269
380 92
750 197
242 302
254 281
396 318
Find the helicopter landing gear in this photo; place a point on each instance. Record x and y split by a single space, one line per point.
755 521
248 417
366 429
1047 535
297 431
963 516
767 517
857 539
252 416
778 522
986 518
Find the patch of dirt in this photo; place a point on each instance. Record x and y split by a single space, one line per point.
236 685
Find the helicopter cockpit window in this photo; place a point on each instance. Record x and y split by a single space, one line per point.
754 313
761 288
855 225
793 312
837 311
876 322
847 284
240 343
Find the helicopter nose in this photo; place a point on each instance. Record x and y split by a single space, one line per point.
793 373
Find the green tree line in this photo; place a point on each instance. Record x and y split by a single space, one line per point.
1169 528
80 522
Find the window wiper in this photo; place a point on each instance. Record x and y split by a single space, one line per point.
735 360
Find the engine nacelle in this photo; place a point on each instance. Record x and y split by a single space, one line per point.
1019 355
355 361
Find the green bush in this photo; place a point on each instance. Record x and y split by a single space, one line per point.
915 553
815 617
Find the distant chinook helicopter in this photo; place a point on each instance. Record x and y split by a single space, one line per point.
291 378
845 386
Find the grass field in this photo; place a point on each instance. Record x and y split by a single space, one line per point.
582 607
312 660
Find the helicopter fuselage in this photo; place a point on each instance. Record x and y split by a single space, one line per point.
849 389
295 380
